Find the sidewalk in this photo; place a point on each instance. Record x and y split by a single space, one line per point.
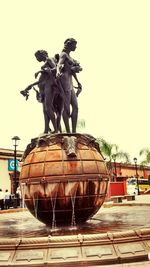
139 200
142 199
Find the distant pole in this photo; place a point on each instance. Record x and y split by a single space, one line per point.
136 175
15 141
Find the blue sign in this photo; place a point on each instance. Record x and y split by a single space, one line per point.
11 165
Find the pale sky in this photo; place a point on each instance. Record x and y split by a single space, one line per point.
113 49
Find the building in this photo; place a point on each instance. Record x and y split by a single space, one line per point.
7 168
123 170
128 177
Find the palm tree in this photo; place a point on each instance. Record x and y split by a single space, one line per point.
111 153
146 152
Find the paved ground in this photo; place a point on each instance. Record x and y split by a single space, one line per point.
139 200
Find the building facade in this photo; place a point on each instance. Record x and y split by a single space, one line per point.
7 168
123 170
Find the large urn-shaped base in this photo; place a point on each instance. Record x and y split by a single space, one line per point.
63 178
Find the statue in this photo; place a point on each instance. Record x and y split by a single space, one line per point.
56 90
67 68
63 173
48 93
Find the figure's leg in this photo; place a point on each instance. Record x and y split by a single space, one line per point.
66 121
51 116
60 108
65 112
46 120
60 129
48 105
74 115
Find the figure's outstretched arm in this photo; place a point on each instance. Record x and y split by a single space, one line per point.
25 92
37 73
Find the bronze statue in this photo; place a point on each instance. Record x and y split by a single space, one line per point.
67 68
59 183
48 93
56 90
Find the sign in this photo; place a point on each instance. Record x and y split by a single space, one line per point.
11 165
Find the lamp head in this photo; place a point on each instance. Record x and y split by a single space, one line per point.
15 140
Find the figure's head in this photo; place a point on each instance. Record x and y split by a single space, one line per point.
56 58
71 44
41 55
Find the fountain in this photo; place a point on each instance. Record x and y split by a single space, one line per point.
64 178
64 182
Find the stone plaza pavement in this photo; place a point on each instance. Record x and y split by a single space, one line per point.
142 199
139 200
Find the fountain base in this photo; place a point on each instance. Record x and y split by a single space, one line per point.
84 250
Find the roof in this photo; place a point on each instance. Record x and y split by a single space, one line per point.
9 153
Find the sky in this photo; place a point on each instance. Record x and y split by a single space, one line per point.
113 48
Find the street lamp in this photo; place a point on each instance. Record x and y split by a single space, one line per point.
136 173
114 159
15 141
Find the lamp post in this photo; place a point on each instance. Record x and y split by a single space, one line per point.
114 159
136 173
15 141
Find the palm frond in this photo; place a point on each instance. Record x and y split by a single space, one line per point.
148 157
111 151
124 156
144 151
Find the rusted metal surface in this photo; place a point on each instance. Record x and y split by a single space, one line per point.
77 250
64 179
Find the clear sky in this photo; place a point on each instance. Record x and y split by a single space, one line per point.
113 49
